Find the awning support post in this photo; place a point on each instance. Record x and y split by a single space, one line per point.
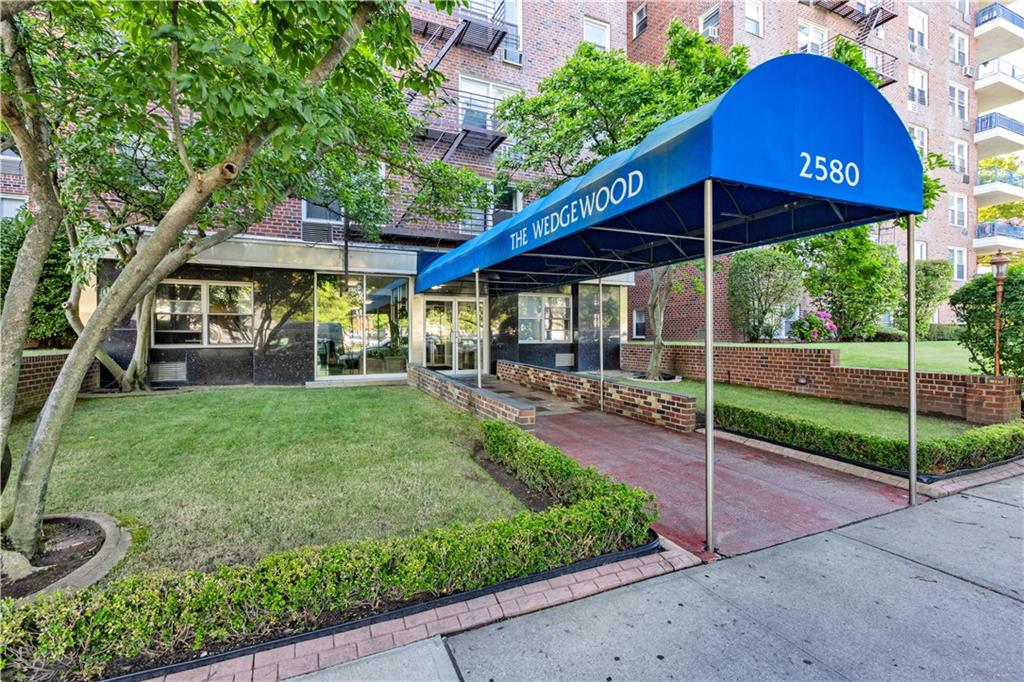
912 357
479 356
709 368
600 334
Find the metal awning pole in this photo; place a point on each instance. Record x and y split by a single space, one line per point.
600 333
709 369
912 356
479 357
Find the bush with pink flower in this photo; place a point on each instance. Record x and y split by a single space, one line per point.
815 326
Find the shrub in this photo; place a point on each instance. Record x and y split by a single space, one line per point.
943 332
971 449
974 305
764 285
933 282
889 334
142 619
814 327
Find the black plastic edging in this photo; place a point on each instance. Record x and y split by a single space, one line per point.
650 548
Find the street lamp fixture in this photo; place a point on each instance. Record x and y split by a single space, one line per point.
1000 264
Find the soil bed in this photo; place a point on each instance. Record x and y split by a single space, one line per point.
67 545
531 499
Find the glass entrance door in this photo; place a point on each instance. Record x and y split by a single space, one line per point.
450 344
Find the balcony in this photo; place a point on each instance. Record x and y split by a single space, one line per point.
481 24
999 84
999 31
998 235
883 63
997 186
460 119
996 134
865 12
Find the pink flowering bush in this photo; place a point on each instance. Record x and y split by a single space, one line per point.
815 326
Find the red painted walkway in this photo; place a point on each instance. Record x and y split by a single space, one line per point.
761 499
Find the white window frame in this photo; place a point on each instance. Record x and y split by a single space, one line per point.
758 16
811 27
954 102
708 13
14 197
543 317
958 162
911 73
601 25
637 20
920 249
519 37
957 211
958 257
634 321
957 38
321 221
921 34
923 138
204 305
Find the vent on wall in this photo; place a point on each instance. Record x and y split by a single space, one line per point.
564 359
317 232
167 371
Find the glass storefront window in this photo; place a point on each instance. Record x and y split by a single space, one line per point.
198 313
178 314
229 319
387 324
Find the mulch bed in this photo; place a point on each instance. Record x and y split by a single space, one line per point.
531 499
67 544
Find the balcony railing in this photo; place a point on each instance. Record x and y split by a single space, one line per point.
466 115
877 11
998 11
999 228
987 175
1000 67
997 120
883 63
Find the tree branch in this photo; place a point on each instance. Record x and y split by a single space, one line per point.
8 8
179 140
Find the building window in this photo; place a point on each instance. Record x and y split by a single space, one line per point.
9 206
811 38
958 102
961 7
329 212
477 100
639 324
918 85
597 32
957 47
917 28
545 318
958 257
202 314
958 155
709 23
920 250
754 17
639 20
512 45
957 210
920 137
10 162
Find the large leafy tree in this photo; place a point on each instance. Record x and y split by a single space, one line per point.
175 125
974 304
933 283
764 286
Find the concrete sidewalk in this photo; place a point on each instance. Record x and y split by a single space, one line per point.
935 592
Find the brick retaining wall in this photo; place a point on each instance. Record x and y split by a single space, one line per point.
38 372
477 401
816 371
670 410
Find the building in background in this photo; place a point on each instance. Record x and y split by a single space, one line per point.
951 71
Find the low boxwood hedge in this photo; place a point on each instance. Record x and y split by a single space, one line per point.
970 449
141 620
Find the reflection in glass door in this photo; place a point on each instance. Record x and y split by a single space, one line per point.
439 336
466 334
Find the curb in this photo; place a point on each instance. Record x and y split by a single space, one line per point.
115 545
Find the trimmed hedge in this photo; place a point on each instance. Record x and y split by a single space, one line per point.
943 332
972 448
143 620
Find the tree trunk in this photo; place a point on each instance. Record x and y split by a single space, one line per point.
661 287
71 307
138 370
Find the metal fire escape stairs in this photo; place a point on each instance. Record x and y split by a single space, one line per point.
868 19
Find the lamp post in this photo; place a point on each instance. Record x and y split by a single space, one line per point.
1000 263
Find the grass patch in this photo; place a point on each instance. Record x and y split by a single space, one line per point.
831 413
932 356
229 475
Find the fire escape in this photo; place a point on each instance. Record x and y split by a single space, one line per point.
868 16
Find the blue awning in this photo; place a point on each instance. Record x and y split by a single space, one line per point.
800 145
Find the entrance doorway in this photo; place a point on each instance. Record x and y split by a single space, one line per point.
450 335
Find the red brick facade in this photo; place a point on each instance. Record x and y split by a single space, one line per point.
669 410
816 371
38 372
477 401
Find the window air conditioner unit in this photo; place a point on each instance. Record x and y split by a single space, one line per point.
966 125
967 179
968 71
913 106
913 48
711 32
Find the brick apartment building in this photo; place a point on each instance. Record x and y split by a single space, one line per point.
954 71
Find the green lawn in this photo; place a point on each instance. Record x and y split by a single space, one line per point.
831 413
932 356
227 475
